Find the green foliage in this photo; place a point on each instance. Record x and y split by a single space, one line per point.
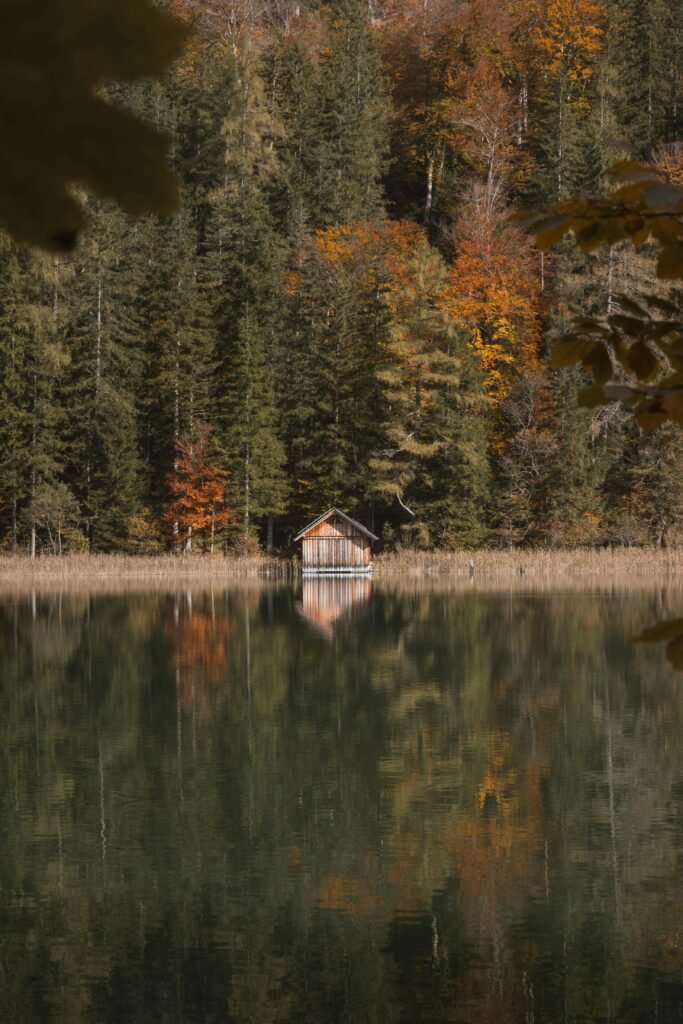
53 510
56 131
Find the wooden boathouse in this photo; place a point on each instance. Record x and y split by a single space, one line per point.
336 543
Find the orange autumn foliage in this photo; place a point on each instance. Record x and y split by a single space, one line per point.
372 253
197 505
669 160
570 36
495 293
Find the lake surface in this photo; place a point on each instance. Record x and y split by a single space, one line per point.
343 805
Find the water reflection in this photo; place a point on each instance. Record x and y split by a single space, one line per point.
325 600
469 807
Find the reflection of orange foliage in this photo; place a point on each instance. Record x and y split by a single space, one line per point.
198 653
350 896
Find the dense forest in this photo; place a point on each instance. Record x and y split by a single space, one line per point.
341 312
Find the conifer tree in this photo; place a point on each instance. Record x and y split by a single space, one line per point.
14 337
106 350
245 264
337 327
351 123
419 374
255 453
177 386
645 37
46 362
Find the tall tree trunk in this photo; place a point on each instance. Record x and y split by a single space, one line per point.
98 351
429 198
269 534
14 522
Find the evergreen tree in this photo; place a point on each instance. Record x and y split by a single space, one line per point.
105 343
14 440
419 374
258 482
245 261
336 329
45 366
646 51
179 354
351 123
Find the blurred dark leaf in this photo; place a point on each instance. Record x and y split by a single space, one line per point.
671 632
56 132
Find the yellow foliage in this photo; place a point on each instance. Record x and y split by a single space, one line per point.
570 36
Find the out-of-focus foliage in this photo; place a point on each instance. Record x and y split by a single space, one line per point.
635 355
58 131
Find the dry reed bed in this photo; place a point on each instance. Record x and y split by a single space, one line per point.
602 564
165 571
603 570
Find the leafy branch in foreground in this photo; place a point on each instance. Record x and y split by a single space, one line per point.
56 132
670 632
634 356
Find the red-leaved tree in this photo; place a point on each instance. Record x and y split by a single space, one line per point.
197 487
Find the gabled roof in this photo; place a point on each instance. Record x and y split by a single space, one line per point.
342 515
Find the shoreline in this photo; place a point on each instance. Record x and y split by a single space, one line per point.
443 565
535 563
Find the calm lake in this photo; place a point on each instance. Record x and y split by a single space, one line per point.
340 803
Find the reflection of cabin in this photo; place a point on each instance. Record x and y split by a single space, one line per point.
336 543
328 600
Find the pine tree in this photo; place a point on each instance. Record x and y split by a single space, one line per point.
351 123
336 330
179 351
291 79
46 362
645 38
457 479
105 343
420 380
245 264
14 339
255 453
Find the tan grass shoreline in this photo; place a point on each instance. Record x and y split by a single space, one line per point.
606 562
603 563
133 565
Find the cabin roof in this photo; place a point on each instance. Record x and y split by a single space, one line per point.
335 512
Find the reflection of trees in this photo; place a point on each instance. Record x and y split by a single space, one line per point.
455 808
197 641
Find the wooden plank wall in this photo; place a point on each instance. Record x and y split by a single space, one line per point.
336 544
